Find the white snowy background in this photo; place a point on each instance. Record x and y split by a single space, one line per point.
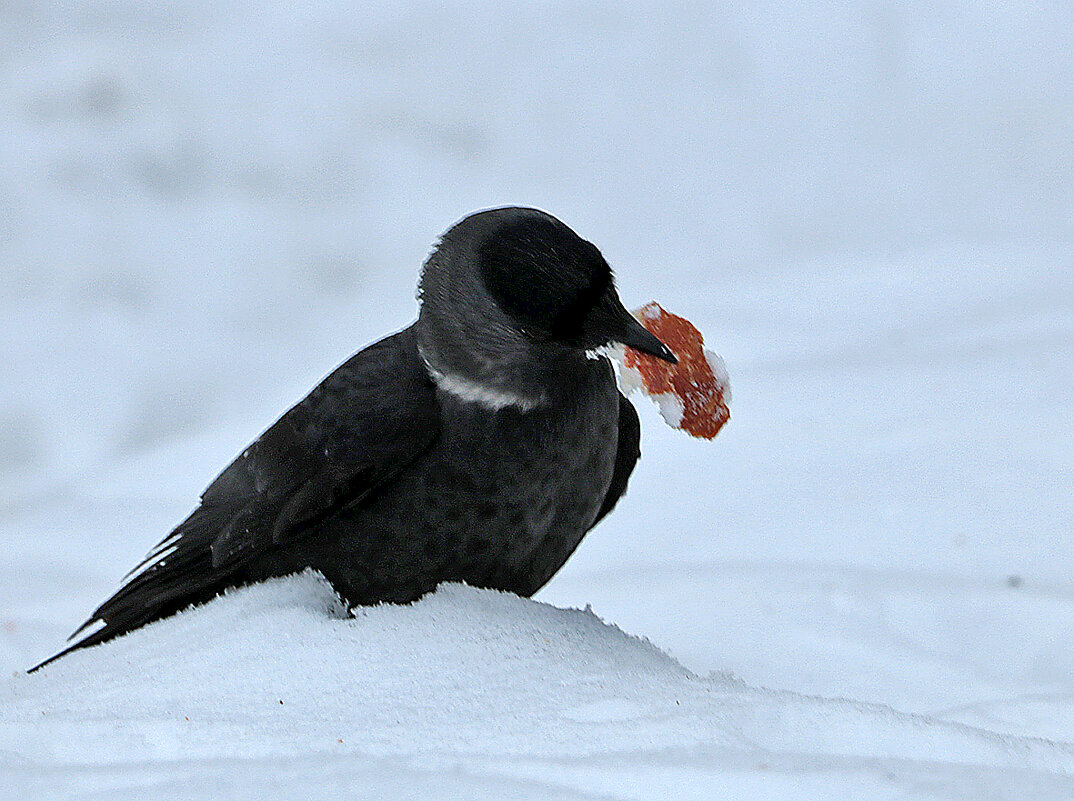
863 589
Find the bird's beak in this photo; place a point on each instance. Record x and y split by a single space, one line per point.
611 322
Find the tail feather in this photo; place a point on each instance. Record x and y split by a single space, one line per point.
176 574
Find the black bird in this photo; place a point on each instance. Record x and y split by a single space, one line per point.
479 444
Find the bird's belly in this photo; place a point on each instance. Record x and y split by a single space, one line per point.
500 507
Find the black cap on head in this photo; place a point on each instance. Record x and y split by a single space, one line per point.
556 286
542 274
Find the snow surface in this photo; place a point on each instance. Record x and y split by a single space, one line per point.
466 690
863 585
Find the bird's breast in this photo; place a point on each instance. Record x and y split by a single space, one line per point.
516 492
500 500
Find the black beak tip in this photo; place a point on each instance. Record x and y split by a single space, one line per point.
635 335
652 346
664 352
611 322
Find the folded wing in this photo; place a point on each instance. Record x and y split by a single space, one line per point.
350 436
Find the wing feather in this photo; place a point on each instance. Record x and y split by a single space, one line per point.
626 456
352 434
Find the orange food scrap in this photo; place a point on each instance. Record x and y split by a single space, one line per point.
697 386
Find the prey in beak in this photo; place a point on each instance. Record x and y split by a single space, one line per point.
611 323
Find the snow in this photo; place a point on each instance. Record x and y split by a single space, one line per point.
719 372
526 697
860 589
670 406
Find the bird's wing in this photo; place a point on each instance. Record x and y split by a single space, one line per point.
626 456
355 431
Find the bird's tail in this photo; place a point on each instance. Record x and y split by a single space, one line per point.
176 574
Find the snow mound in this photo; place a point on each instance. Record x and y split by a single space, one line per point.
467 693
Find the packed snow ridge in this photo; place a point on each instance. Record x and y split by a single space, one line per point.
525 698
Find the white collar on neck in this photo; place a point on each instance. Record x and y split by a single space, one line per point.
470 391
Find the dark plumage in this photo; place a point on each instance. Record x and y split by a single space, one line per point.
479 444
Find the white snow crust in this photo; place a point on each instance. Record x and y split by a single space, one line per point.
719 372
861 589
535 701
671 407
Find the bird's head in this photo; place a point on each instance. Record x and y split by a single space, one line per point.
515 283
